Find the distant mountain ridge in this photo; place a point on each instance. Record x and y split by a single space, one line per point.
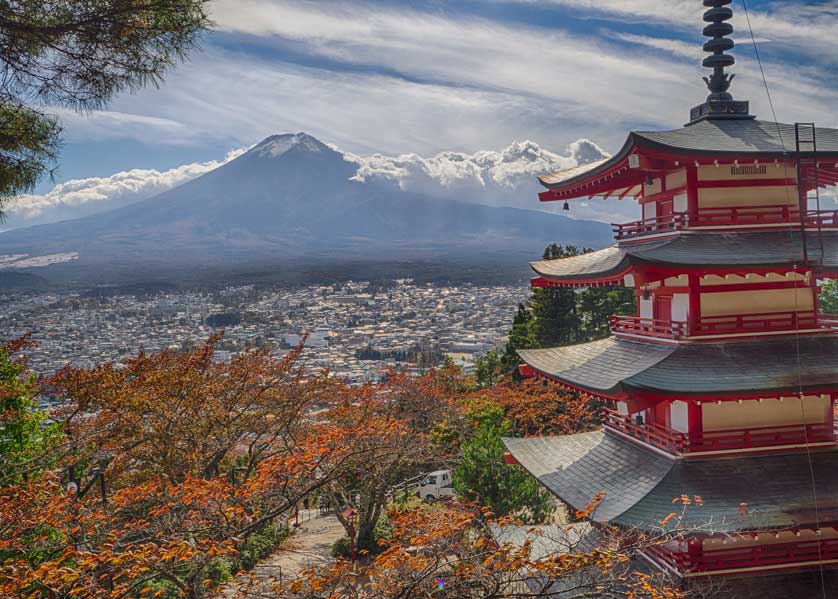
294 197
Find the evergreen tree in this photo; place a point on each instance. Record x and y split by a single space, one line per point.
560 316
79 55
25 434
490 370
483 474
828 300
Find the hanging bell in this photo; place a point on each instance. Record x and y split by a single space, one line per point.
566 206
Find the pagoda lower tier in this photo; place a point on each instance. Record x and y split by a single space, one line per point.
749 514
705 399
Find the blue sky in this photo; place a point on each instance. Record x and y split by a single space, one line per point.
429 76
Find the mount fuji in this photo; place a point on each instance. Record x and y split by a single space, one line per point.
292 197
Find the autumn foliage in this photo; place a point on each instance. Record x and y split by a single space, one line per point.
156 470
450 552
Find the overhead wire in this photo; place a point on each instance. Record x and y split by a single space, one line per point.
806 273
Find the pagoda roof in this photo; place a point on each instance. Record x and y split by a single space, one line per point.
708 138
766 249
640 485
748 137
754 367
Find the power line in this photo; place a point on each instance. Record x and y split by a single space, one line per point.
796 305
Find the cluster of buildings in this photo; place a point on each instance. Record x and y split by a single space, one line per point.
355 330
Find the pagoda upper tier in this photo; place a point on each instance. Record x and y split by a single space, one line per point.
742 143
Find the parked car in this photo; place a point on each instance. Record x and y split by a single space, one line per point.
437 485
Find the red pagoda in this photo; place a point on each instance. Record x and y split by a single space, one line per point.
723 385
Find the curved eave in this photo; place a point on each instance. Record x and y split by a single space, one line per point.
602 267
729 139
690 252
610 176
762 367
599 367
639 486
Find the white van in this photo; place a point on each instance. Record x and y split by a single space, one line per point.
436 485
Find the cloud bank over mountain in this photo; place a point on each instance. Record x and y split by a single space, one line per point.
500 178
518 164
81 197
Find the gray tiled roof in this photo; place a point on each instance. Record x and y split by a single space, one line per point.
721 250
762 365
551 539
578 467
599 366
741 137
602 263
640 486
736 136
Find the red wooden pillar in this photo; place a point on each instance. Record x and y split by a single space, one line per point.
695 420
692 191
694 311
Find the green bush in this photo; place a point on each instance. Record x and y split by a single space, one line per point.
258 545
218 570
383 530
340 548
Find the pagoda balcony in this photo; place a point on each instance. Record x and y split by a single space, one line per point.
720 326
747 439
734 217
767 557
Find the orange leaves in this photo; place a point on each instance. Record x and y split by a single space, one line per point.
591 508
686 500
668 518
451 547
538 409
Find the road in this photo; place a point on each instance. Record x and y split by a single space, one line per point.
311 544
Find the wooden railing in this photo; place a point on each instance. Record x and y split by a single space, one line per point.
662 224
736 558
764 436
750 323
648 327
745 216
676 442
734 324
734 216
651 434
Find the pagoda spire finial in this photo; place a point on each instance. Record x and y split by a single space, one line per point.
718 30
720 103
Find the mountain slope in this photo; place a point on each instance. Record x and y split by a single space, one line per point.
292 196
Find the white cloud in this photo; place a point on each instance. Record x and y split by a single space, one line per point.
402 80
590 79
806 27
75 197
107 124
486 171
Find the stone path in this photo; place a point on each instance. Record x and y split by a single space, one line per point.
310 545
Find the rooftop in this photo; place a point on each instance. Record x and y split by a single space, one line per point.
765 249
760 366
640 486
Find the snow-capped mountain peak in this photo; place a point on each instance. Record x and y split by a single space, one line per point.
278 145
